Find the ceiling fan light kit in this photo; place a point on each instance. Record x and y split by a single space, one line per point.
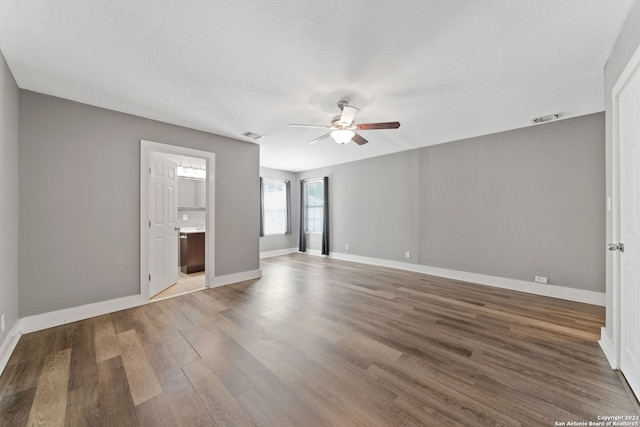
342 136
343 128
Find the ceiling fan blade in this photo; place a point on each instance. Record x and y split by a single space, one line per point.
348 114
293 125
359 140
386 125
320 138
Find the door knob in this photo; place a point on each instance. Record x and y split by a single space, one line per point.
616 247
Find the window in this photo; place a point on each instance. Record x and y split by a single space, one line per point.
274 205
314 195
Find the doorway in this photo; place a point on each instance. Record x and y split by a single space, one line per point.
169 219
626 222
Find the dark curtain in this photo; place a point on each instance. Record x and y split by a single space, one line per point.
261 207
325 218
302 246
288 196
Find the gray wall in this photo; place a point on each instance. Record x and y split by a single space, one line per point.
626 45
194 218
286 241
8 198
79 201
373 206
514 204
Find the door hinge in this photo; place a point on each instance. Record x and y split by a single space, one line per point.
149 170
616 247
149 277
149 223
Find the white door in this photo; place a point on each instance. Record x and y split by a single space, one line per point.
629 113
163 230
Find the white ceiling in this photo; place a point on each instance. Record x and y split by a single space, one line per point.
445 69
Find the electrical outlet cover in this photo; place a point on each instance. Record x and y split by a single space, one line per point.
542 279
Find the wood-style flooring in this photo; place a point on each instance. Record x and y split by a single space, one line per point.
186 283
321 342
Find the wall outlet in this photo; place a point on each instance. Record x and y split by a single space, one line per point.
407 254
542 279
346 246
185 217
2 323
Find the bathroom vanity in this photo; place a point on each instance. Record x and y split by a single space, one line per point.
192 249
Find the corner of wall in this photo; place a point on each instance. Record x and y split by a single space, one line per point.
9 344
9 215
234 278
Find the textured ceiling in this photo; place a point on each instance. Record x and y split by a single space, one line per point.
445 69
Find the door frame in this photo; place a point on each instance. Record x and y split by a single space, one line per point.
631 69
146 148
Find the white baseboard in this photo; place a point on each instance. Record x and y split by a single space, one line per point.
73 314
561 292
60 317
234 278
9 344
318 252
606 344
269 254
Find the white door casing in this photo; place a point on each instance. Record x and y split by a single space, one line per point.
146 150
163 233
629 232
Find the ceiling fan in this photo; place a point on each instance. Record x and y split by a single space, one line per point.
343 129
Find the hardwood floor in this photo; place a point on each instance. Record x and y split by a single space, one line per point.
321 342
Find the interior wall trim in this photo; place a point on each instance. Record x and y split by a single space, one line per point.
51 319
38 322
278 252
606 344
235 278
554 291
9 344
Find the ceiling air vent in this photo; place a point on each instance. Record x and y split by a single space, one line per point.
545 119
252 135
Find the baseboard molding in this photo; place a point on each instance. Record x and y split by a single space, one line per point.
561 292
317 252
73 314
269 254
234 278
9 344
60 317
608 348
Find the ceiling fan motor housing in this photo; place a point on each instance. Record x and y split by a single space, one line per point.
335 122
